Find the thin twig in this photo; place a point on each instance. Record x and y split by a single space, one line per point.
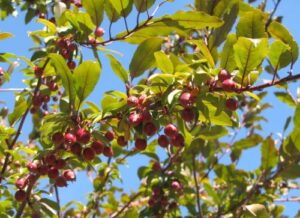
124 17
272 14
290 199
126 205
59 214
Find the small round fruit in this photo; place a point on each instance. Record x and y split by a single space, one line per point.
135 119
97 146
188 114
76 148
228 85
149 129
21 183
20 195
43 170
83 136
121 141
99 31
60 182
69 175
53 173
178 140
156 166
232 104
50 159
71 65
110 135
176 186
171 130
38 71
108 151
186 99
224 75
88 154
140 144
132 101
60 164
32 167
58 138
70 138
163 141
53 86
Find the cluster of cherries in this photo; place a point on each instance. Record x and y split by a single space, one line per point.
1 76
67 47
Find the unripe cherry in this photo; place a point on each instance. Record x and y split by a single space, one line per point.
83 136
163 141
60 181
228 85
76 148
69 175
97 146
99 31
121 141
232 104
88 154
108 151
70 138
20 195
170 130
149 129
110 135
135 119
140 144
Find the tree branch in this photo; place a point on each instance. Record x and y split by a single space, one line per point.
59 214
272 14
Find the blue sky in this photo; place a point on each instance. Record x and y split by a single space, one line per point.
76 191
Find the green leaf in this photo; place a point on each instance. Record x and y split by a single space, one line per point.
212 193
123 7
118 68
249 54
65 74
196 20
163 62
210 133
19 110
205 51
291 172
256 210
131 213
5 35
51 26
86 77
49 206
113 101
297 117
286 98
111 12
269 153
143 57
143 5
279 55
248 142
251 25
95 9
227 54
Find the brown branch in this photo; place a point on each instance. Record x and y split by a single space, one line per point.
289 199
118 213
59 214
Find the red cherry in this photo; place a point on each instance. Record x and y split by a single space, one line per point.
37 101
70 138
21 183
97 146
20 195
72 47
53 173
99 31
142 99
46 98
38 71
88 154
108 151
156 166
76 148
176 186
178 140
140 144
132 101
42 170
53 86
224 75
232 104
58 138
71 65
50 159
228 85
60 164
110 135
32 167
83 136
186 99
171 130
135 119
163 141
188 114
149 129
151 202
61 43
65 53
121 141
69 175
60 182
147 117
33 110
